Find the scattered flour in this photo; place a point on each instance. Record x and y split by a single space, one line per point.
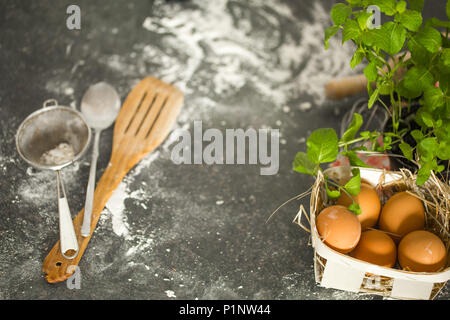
39 187
217 48
59 87
116 207
305 106
211 50
170 294
116 204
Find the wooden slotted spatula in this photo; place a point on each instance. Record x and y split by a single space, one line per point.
146 118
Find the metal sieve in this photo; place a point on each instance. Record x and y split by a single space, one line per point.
42 131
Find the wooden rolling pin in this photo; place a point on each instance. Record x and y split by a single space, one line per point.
344 87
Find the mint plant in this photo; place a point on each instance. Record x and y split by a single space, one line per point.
407 59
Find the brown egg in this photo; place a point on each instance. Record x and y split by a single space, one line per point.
422 251
402 214
339 228
369 202
376 247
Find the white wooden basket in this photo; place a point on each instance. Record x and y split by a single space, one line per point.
340 271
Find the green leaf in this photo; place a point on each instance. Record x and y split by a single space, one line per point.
401 6
424 117
444 83
406 93
423 174
386 6
433 97
355 208
448 9
332 194
407 150
354 159
410 19
427 148
426 166
385 86
443 151
370 71
445 57
329 32
430 38
443 132
439 23
417 135
416 5
354 2
353 128
353 186
390 37
351 31
364 19
303 165
365 134
339 13
322 145
373 98
387 141
419 54
417 79
357 58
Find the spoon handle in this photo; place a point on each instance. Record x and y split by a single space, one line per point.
86 227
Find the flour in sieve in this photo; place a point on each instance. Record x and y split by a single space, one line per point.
61 154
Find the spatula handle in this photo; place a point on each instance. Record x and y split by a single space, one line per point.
55 265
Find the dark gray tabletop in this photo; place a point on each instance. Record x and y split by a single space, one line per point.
171 231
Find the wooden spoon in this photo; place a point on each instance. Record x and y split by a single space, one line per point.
146 118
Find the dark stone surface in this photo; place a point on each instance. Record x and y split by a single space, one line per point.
179 238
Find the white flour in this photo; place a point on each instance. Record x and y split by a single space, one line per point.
61 154
170 294
116 206
40 187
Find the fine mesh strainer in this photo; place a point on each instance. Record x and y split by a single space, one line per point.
44 130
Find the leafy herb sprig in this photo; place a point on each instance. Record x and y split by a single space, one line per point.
427 77
323 147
